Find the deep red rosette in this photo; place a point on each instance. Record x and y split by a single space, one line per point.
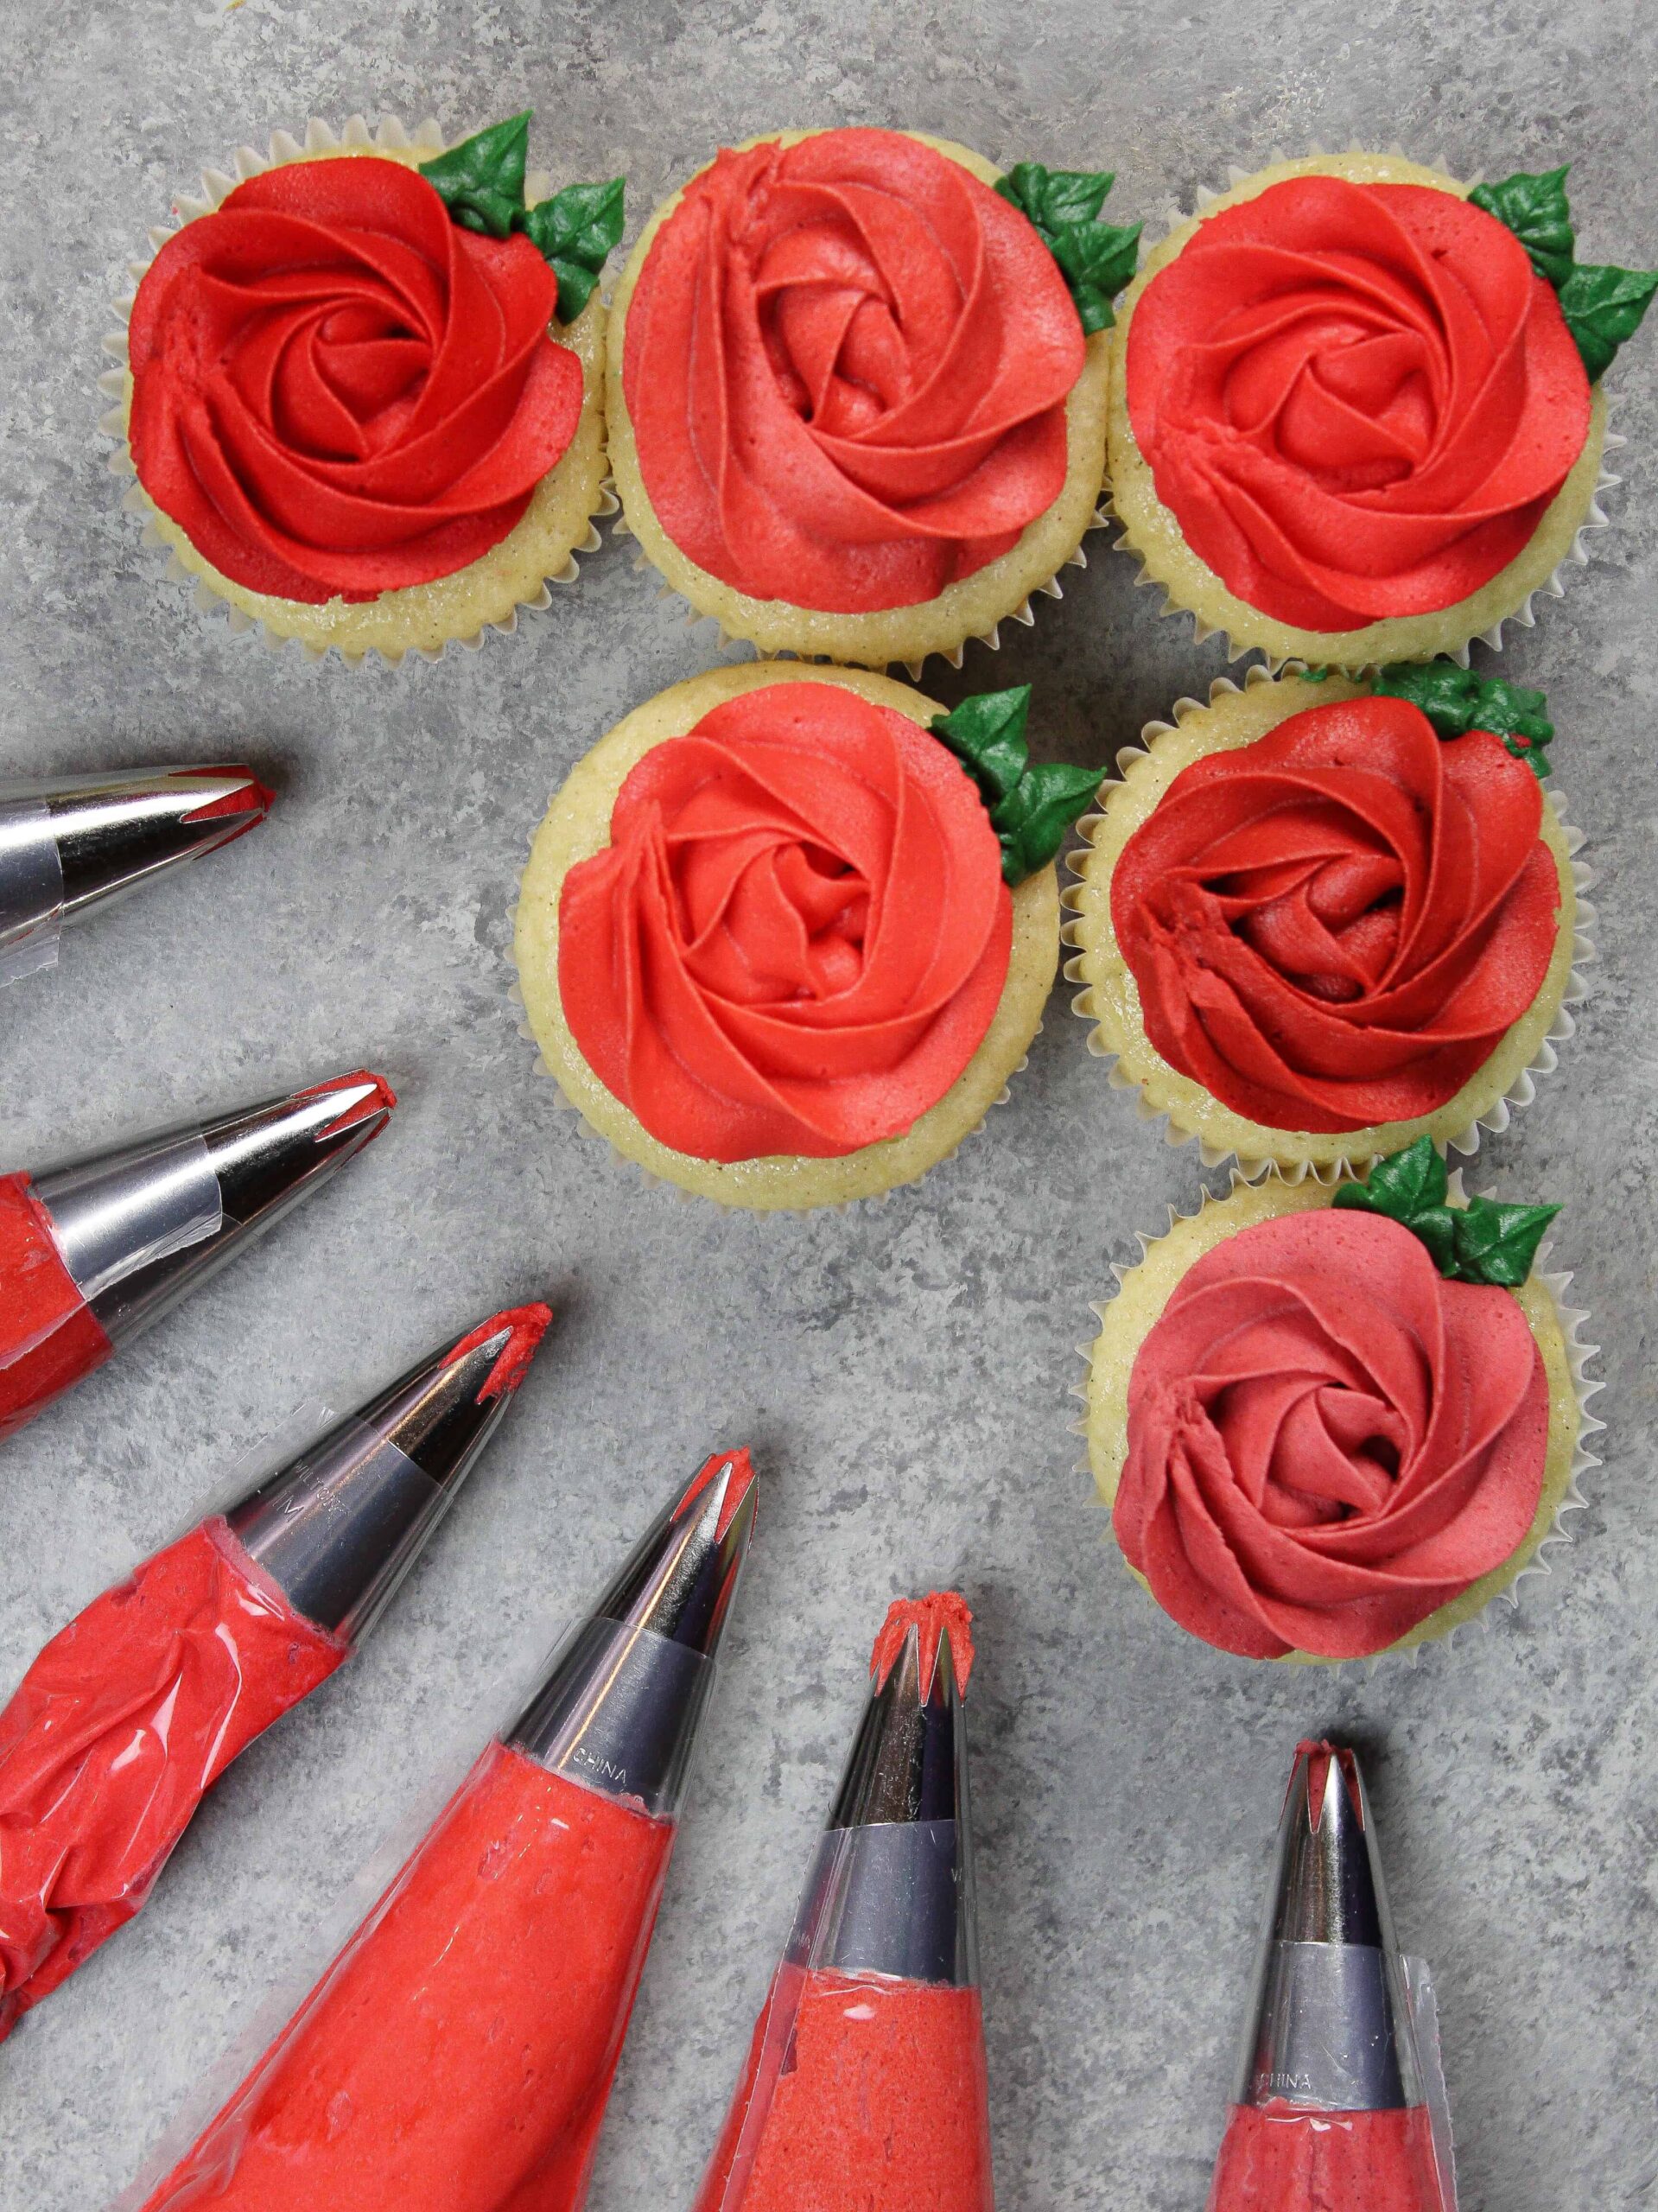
1333 927
798 934
336 392
846 366
1326 1440
1357 400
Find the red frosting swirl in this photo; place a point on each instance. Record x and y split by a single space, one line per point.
336 392
846 366
1333 927
798 935
1326 1440
1357 399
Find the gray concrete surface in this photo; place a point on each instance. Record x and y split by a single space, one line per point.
902 1373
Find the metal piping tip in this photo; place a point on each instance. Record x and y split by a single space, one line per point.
909 1760
101 836
138 1227
892 1891
339 1525
619 1706
1329 2025
679 1579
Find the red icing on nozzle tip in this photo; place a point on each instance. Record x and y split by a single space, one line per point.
930 1617
253 795
742 1481
529 1325
1318 1753
382 1101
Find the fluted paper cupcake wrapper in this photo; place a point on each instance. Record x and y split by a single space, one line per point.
390 136
1024 613
1496 1118
1579 1351
514 995
1523 617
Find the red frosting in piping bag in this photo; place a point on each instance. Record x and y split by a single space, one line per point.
846 366
337 390
459 2051
115 1732
881 2104
1326 1440
1333 927
798 934
1278 2158
1357 399
49 1336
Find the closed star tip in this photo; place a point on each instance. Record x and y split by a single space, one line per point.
523 1326
940 1613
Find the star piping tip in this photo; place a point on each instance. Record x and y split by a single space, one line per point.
521 1329
1315 1758
362 1094
251 798
939 1618
740 1481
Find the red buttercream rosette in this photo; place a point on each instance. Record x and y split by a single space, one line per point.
798 934
1333 927
846 366
336 391
1357 400
1327 1441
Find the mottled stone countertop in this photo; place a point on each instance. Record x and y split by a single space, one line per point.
901 1371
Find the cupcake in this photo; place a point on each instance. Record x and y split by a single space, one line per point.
1332 1425
783 940
1356 410
856 389
1318 919
362 395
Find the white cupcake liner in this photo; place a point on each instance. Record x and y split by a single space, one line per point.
1578 555
1466 1141
1024 613
1578 1354
390 136
565 1104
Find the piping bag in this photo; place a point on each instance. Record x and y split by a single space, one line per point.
75 842
457 2055
132 1711
91 1253
1340 2102
865 2090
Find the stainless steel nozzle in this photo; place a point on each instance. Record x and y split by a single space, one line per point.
340 1525
1328 2026
619 1707
139 1226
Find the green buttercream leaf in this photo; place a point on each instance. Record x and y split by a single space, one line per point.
480 181
1482 1242
1054 197
1096 259
576 231
1403 1184
575 283
583 223
1030 807
1498 1243
1535 208
1602 306
987 735
1033 820
1436 1227
1456 700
